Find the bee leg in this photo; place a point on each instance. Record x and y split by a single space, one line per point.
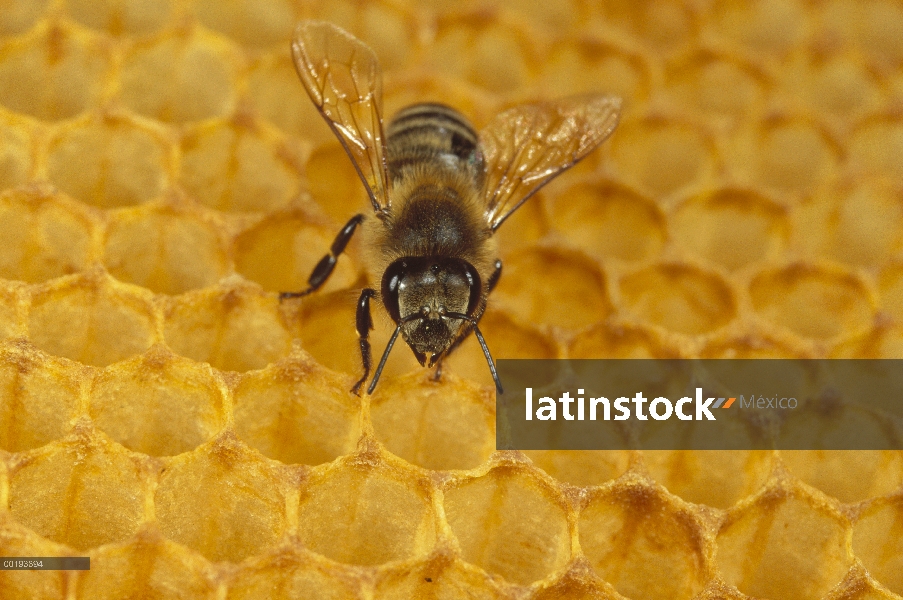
364 325
324 268
493 281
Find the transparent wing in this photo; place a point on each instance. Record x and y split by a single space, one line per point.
343 78
525 147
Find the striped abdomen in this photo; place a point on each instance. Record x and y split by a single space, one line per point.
434 134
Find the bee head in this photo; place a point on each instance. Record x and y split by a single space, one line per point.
421 291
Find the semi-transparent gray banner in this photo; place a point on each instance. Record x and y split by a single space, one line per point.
726 404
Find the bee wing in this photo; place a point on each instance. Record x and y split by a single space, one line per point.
342 76
525 147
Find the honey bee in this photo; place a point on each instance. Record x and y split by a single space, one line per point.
439 191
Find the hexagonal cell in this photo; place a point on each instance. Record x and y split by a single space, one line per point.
662 156
664 26
571 294
20 15
295 411
859 224
167 248
873 26
609 221
483 50
254 23
679 298
15 151
790 155
873 146
158 404
842 85
46 235
609 340
510 522
13 308
288 573
441 576
891 289
878 541
718 85
784 545
714 478
223 500
234 328
770 27
732 227
643 542
109 160
53 72
132 18
83 492
365 510
186 76
239 165
437 425
848 475
93 319
335 185
581 467
16 540
147 565
814 302
39 396
592 66
885 340
281 251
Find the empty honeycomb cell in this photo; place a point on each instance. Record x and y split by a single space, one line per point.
784 545
92 319
860 224
664 25
83 492
581 467
891 290
223 500
367 510
335 185
133 18
791 156
147 565
769 27
39 396
166 248
849 476
592 66
609 221
510 522
878 541
281 251
437 425
883 341
643 542
110 160
661 156
679 298
185 76
786 297
16 540
287 574
551 286
296 411
608 340
389 29
20 15
717 85
239 165
731 227
253 23
46 235
717 479
234 328
53 73
173 405
440 576
491 54
842 85
12 310
875 147
15 152
881 30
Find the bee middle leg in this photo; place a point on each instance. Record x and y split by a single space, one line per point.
364 323
324 268
493 281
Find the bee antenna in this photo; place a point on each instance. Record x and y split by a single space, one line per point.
382 361
476 332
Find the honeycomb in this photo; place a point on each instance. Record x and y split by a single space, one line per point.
163 175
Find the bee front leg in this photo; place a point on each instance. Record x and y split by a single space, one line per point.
490 285
324 268
364 324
